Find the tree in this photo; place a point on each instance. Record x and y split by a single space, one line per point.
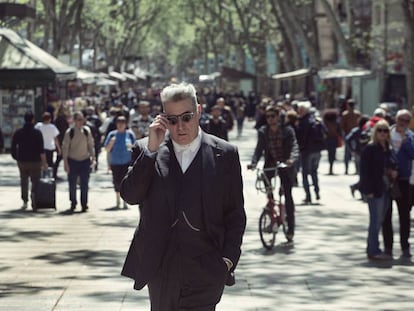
64 23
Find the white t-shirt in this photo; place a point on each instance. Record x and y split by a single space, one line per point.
49 132
396 140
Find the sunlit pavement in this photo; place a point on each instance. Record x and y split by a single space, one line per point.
54 260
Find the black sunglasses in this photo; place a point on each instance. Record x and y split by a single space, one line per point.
185 117
383 130
405 120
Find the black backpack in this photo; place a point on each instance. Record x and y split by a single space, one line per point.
317 134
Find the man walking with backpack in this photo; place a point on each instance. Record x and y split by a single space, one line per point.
79 156
310 138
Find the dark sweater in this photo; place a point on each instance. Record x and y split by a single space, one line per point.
27 144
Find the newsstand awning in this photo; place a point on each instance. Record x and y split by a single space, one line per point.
23 64
293 74
331 73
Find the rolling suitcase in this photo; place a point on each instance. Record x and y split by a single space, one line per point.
46 191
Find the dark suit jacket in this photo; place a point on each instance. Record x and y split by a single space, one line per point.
149 184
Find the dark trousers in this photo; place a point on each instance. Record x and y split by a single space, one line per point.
185 283
403 205
118 173
287 177
310 164
79 169
49 157
28 170
56 165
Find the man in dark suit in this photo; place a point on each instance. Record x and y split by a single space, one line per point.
189 188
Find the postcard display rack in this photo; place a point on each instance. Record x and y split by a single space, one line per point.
13 106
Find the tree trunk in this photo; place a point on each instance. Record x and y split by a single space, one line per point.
342 41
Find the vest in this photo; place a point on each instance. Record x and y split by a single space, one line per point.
189 232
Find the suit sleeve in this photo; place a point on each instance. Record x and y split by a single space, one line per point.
234 214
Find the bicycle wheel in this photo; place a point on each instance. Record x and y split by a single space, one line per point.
267 234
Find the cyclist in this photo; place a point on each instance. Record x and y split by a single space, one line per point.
278 142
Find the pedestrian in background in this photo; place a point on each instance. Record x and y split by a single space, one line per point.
215 124
378 169
333 136
27 149
50 135
189 188
226 113
142 119
62 124
349 119
402 141
311 142
356 140
239 107
79 157
118 144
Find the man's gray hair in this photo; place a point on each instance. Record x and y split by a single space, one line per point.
178 92
403 112
305 104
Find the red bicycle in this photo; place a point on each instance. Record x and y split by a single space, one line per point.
273 214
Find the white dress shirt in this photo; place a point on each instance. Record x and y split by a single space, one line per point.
185 154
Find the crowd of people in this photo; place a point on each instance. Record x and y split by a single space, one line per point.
381 147
292 132
77 131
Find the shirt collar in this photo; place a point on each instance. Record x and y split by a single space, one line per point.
193 146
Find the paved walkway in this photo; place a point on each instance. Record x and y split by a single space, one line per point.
51 260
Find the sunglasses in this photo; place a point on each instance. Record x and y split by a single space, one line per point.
383 130
405 120
185 117
270 116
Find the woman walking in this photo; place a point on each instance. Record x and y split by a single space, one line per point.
118 144
378 170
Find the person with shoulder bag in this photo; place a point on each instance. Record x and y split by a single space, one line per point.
378 164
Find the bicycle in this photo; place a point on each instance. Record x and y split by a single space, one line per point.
271 218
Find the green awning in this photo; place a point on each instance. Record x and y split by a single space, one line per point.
23 64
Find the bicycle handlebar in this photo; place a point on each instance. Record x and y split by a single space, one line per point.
279 165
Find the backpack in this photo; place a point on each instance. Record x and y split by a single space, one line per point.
72 132
317 134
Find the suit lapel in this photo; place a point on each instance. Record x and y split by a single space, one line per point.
163 161
210 154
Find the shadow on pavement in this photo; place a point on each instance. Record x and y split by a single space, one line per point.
105 258
23 288
20 213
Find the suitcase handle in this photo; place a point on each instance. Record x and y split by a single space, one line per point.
47 173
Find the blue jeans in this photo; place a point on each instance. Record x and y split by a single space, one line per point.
79 169
378 207
310 164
